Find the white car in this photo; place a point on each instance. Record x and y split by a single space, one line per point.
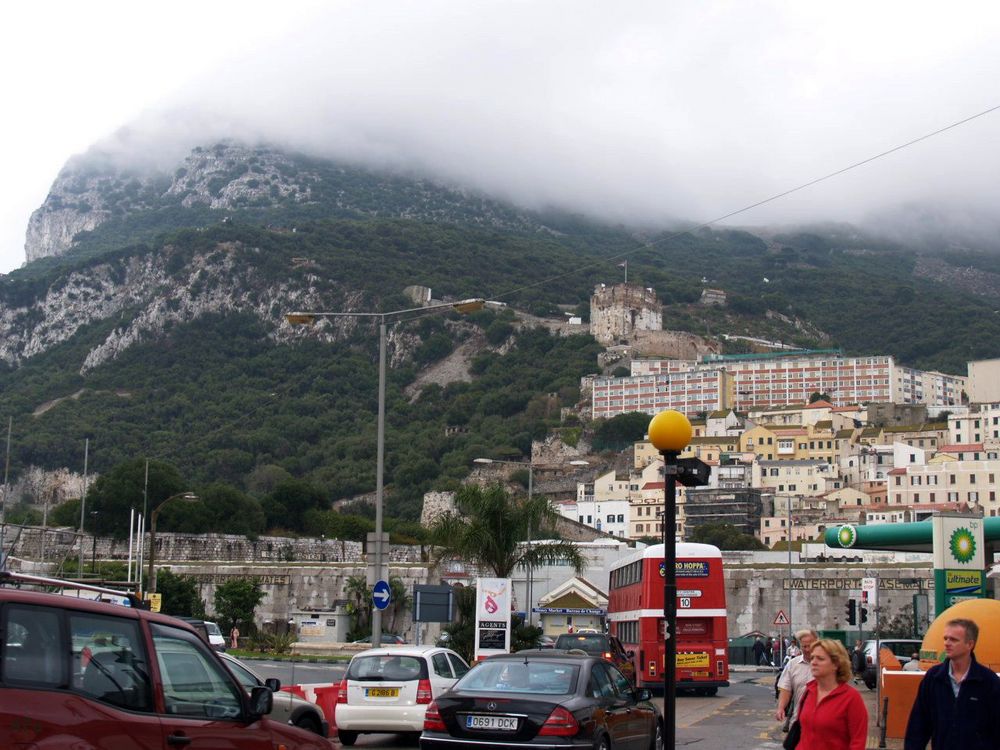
387 690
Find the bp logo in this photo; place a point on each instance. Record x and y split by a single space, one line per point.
962 545
847 536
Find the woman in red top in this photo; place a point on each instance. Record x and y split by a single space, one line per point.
833 715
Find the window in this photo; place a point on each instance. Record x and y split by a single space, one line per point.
194 683
600 685
973 497
972 478
611 517
621 518
31 647
110 660
441 666
951 479
458 665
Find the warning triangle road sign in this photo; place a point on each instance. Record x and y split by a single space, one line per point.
781 619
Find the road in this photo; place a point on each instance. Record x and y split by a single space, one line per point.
740 716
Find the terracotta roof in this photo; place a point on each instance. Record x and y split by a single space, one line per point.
841 409
961 448
653 486
897 471
821 404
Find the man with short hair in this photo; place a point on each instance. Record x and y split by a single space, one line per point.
793 680
958 701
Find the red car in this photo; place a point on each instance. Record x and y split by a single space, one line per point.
80 673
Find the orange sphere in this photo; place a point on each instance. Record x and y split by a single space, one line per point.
669 431
985 613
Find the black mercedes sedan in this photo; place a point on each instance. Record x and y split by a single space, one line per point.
543 699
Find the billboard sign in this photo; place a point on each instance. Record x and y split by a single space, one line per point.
493 602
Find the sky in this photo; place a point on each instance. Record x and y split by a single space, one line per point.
635 112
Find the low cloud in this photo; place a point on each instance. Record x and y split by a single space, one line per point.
643 113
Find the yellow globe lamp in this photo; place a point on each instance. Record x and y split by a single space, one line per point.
985 613
669 431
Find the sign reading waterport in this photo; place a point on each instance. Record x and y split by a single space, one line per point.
959 561
492 617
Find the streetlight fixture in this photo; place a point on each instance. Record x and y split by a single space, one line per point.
670 432
531 480
309 318
187 497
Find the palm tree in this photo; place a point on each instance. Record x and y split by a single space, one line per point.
399 601
358 594
491 526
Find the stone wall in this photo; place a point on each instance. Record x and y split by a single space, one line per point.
205 547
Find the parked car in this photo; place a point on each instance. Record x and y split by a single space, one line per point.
388 690
209 631
288 707
387 639
78 673
902 648
602 645
546 641
543 698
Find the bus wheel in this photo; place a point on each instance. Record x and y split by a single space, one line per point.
709 692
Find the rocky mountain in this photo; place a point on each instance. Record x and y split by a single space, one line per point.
233 177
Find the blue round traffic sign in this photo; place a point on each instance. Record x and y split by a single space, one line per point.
381 595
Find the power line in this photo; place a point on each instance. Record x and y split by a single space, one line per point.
750 207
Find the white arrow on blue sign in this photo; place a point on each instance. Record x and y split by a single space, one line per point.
381 595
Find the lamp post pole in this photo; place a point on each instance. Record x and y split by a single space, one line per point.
379 486
670 432
188 497
309 318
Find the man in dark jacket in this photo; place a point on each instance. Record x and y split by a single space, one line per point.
958 702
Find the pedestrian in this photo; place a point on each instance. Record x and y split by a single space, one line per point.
958 700
913 665
833 714
768 652
794 677
234 637
793 648
858 660
759 657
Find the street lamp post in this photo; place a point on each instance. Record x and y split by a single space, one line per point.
187 497
93 543
309 318
670 432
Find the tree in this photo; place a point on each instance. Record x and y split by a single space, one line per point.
621 431
399 602
359 606
180 594
725 536
288 504
817 396
236 600
115 493
491 526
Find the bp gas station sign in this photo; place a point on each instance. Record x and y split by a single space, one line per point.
959 560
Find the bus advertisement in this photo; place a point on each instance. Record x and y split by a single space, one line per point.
635 614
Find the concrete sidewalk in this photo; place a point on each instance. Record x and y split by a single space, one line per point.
874 731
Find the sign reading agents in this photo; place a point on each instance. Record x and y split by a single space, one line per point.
492 616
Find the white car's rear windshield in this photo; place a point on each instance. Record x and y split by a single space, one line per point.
387 667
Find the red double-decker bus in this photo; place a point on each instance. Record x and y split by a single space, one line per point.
635 613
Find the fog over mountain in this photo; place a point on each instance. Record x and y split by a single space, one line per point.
640 112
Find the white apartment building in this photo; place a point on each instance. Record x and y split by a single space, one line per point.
703 390
977 426
767 380
984 381
805 478
602 504
945 479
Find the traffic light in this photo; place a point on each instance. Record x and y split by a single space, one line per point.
852 612
864 615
